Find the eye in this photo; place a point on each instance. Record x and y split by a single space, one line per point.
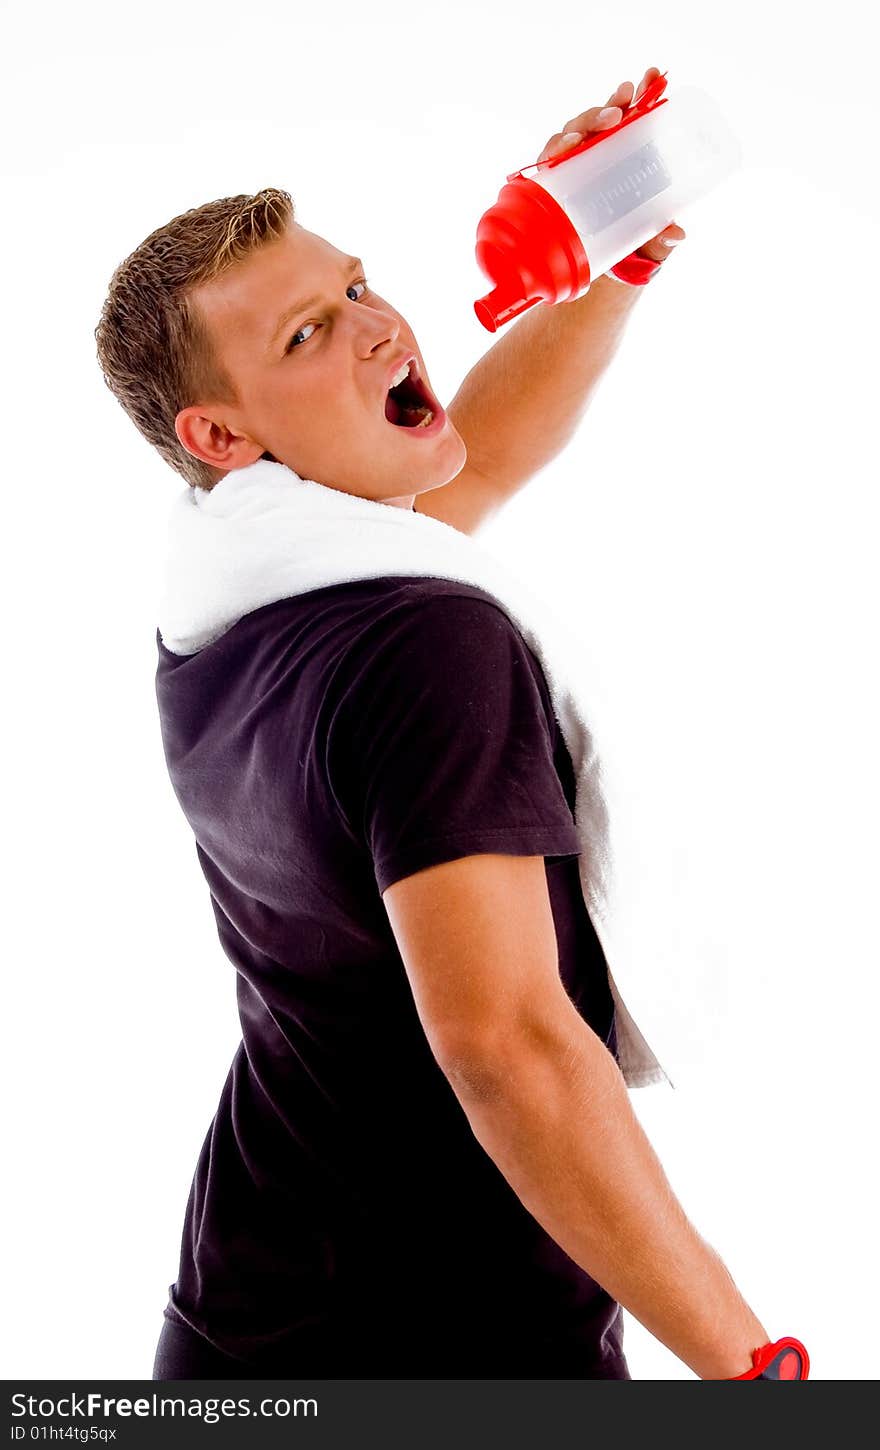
292 345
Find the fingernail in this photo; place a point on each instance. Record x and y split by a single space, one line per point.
608 111
570 138
671 241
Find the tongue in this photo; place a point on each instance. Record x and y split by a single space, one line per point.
407 415
411 417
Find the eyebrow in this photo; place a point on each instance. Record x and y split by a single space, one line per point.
353 264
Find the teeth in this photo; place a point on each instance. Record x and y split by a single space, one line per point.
399 376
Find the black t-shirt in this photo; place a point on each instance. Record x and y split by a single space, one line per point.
322 748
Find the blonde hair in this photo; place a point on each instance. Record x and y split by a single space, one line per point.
153 348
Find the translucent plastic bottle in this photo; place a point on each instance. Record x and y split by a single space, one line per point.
579 213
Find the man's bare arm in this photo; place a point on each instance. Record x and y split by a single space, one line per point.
522 402
546 1099
553 1113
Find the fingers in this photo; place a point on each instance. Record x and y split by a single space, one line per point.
593 120
598 118
650 75
618 101
574 131
659 247
623 96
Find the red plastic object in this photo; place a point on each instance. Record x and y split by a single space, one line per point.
784 1359
635 269
528 247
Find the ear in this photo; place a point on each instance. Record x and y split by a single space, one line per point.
214 442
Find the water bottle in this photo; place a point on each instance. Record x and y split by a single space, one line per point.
580 212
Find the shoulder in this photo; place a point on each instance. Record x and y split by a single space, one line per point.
442 609
441 738
443 634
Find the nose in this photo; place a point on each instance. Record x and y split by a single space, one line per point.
378 325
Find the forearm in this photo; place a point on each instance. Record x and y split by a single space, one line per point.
522 402
554 1115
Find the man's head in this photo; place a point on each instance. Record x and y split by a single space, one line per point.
232 333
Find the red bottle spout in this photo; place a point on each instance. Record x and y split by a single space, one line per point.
502 304
528 247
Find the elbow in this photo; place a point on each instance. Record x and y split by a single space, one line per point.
512 1063
474 1078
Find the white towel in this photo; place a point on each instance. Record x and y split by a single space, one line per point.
263 533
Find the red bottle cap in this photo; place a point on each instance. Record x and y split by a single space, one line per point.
526 244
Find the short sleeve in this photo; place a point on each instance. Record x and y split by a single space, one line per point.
443 745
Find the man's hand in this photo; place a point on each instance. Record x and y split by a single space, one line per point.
574 131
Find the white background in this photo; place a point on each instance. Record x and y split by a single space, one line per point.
711 532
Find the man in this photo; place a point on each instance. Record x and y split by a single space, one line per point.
434 1170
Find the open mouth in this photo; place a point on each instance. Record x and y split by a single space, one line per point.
410 404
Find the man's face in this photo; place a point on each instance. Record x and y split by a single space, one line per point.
313 379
